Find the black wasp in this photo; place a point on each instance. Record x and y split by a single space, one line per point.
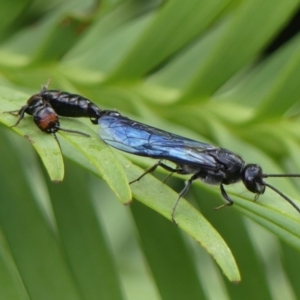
203 161
46 105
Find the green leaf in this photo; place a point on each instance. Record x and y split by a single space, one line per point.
158 36
85 242
231 49
19 216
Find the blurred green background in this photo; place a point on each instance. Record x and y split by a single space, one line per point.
225 72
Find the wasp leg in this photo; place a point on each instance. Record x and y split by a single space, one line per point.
153 168
188 184
226 197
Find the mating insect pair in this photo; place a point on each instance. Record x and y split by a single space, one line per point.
206 162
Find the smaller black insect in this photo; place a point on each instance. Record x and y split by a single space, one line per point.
203 161
44 116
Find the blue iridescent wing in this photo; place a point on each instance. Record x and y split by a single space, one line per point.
140 139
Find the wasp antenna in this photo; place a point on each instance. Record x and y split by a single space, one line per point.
283 196
280 175
73 131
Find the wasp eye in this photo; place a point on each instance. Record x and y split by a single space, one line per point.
252 179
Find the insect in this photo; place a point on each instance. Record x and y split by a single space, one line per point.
46 105
211 164
44 116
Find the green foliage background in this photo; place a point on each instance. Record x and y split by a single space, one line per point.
192 67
